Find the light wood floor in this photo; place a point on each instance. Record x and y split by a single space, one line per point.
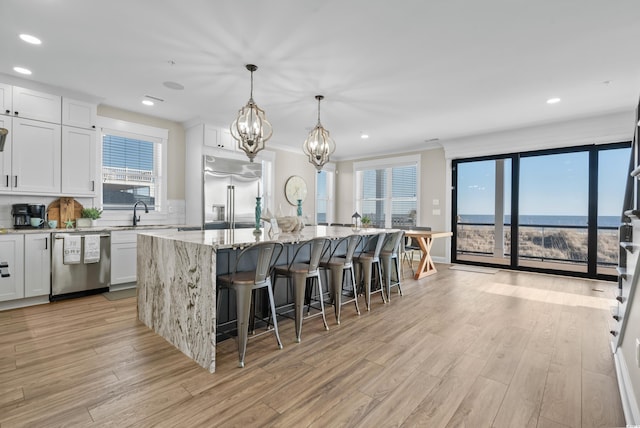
459 349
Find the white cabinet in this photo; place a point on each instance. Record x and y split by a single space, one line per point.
78 113
79 160
11 267
36 105
123 256
124 246
5 156
37 257
218 138
6 106
35 157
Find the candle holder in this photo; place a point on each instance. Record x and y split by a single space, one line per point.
258 215
299 207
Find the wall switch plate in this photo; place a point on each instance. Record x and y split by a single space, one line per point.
436 212
436 202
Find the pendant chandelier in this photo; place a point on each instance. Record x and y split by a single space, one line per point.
251 128
319 145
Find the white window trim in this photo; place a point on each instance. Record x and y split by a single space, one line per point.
111 126
330 168
386 163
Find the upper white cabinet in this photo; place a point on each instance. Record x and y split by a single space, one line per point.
37 262
11 267
79 160
6 106
78 113
36 105
41 156
35 157
218 138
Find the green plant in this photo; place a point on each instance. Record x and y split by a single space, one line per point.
92 213
366 220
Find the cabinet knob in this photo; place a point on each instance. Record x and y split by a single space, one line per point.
616 317
7 111
15 112
93 126
613 332
620 299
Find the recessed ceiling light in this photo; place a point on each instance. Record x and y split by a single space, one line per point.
147 102
553 100
364 136
22 70
31 39
174 85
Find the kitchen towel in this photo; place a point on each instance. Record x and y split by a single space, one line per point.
91 249
71 249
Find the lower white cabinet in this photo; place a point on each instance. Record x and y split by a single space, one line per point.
37 264
11 267
28 265
123 256
124 246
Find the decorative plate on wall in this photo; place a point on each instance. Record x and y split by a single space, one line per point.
294 189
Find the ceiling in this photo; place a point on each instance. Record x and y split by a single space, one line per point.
403 72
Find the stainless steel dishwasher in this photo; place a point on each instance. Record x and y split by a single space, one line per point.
79 279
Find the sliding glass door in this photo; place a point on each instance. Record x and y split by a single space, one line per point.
553 211
549 211
482 223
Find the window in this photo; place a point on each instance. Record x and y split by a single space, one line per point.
133 166
324 194
387 191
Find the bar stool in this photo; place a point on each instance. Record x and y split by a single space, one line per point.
366 262
302 273
338 264
391 253
244 282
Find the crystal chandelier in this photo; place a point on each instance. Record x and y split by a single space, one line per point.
251 128
319 145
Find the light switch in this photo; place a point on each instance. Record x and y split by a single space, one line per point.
436 212
436 202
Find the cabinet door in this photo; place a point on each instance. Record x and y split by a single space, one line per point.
5 99
36 105
218 138
35 157
37 253
78 113
5 155
12 253
79 159
226 141
123 262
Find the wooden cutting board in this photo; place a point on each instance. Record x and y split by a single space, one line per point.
64 209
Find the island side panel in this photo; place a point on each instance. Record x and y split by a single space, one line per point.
177 296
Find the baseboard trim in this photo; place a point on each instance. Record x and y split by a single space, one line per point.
23 303
627 395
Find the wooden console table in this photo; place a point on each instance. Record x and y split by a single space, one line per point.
425 240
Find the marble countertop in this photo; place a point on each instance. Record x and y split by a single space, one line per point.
238 238
8 231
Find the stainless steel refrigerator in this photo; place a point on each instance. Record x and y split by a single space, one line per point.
229 192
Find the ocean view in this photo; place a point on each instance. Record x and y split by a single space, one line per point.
542 220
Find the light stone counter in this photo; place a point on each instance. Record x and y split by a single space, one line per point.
176 281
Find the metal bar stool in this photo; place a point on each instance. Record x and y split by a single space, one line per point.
338 264
304 274
366 262
244 282
391 253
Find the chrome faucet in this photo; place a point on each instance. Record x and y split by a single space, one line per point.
136 219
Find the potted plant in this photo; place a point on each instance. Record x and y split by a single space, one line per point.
366 221
88 217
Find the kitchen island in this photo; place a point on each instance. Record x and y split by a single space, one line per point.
176 280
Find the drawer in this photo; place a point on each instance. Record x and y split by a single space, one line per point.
124 237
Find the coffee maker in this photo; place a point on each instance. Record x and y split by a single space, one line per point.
23 213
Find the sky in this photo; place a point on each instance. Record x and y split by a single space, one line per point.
549 185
